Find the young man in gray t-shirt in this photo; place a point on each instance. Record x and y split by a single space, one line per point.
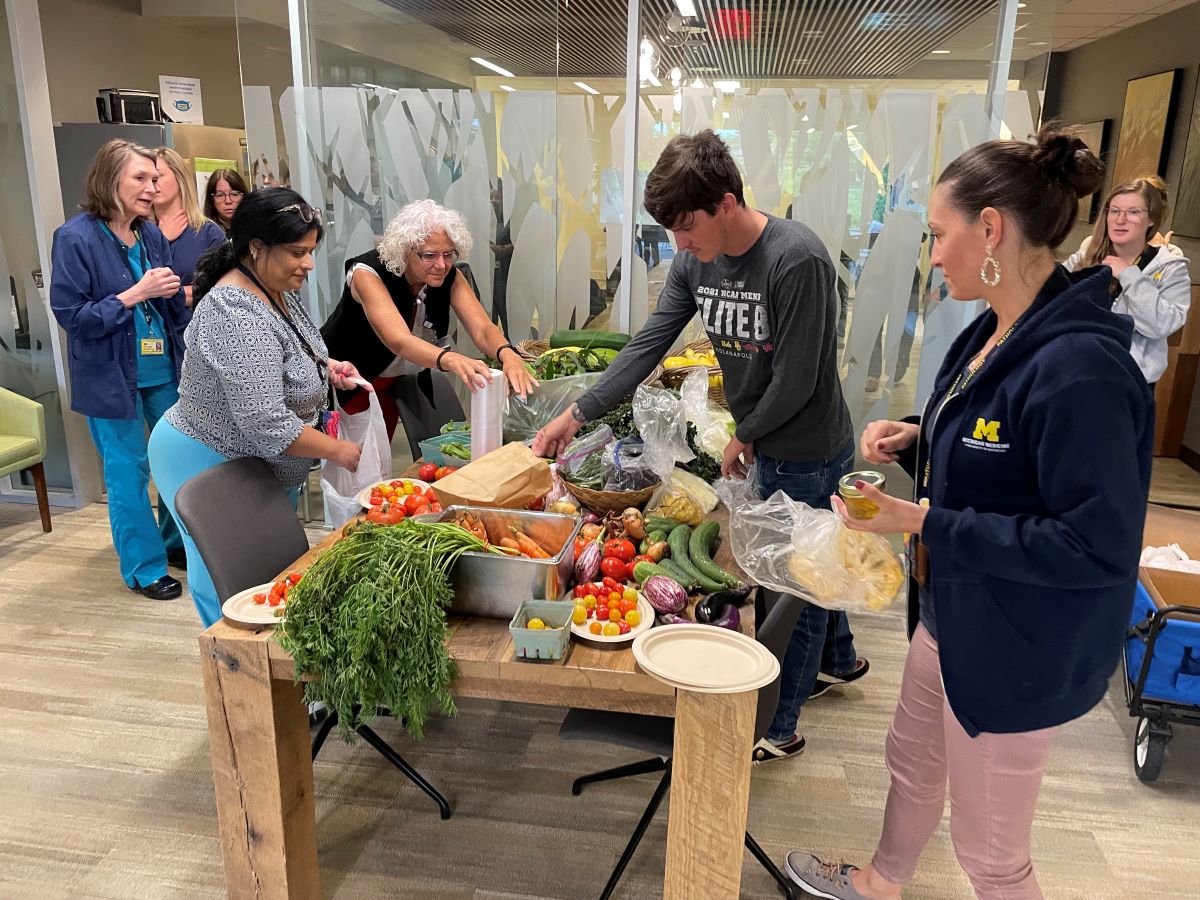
766 292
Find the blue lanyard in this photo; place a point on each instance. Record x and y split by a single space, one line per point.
123 252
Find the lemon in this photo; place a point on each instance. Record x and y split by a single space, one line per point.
535 624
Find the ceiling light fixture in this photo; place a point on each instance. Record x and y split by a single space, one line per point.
687 8
939 51
1038 43
507 87
491 65
586 87
698 83
727 87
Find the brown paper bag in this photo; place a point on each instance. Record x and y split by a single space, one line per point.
510 477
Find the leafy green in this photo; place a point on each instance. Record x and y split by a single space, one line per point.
703 466
367 622
619 419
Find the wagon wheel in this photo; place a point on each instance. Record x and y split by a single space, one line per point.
1149 749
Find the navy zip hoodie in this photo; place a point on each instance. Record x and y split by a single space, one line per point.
1039 475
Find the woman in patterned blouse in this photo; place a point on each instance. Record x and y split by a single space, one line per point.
256 376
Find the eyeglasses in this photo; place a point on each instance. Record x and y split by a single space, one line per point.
1135 213
307 213
228 195
429 257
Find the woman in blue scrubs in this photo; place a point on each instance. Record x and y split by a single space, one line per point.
114 293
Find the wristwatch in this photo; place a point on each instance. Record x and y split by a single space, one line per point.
577 414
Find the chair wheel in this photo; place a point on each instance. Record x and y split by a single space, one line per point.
1149 751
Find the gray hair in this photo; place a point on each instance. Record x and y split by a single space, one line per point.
414 224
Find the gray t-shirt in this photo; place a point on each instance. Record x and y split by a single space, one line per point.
771 315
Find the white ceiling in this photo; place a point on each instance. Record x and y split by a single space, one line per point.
1044 25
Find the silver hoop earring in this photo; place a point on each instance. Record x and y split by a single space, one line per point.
989 260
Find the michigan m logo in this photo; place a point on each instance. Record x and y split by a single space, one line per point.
987 431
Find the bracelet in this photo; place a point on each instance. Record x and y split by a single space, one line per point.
439 359
577 414
508 346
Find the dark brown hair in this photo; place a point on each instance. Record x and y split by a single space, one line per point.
104 177
693 173
230 177
1152 190
1038 184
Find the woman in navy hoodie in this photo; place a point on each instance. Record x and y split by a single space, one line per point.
1032 468
113 292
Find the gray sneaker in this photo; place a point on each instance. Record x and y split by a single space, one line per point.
821 879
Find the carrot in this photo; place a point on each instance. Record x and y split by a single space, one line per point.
528 544
509 544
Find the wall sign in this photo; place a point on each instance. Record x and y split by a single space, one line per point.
180 98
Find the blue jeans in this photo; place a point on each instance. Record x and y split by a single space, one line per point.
829 630
142 543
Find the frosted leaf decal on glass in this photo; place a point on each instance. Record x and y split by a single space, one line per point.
574 282
575 158
531 293
262 142
697 112
821 199
761 168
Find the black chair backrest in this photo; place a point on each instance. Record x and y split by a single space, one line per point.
243 524
774 632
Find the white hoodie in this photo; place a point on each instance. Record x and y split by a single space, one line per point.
1156 298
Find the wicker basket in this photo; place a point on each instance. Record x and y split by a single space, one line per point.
673 378
601 502
531 348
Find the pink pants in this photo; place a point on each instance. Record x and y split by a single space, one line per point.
994 784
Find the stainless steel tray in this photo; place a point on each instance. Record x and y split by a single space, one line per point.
489 585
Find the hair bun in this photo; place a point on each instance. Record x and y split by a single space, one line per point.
1064 158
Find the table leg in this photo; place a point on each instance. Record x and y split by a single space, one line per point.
707 825
262 772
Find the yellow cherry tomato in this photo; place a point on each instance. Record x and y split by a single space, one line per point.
535 624
631 595
633 618
579 615
611 630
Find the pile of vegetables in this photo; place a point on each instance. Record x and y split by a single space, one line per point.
619 419
367 623
568 361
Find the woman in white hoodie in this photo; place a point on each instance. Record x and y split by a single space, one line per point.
1151 283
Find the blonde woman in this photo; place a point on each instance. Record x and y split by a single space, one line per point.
394 315
1151 283
179 218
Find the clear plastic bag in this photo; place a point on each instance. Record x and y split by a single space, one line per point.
544 402
576 452
661 421
626 467
714 426
789 546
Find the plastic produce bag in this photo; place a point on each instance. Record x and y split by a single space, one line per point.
545 401
626 467
789 546
714 426
575 453
340 486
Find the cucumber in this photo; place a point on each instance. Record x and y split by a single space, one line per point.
643 570
676 573
699 549
662 523
679 555
595 340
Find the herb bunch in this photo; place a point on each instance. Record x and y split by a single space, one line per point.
367 623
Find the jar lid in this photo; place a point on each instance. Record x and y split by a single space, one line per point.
846 485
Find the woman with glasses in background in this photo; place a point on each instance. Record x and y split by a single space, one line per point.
256 377
179 218
224 192
1151 283
394 314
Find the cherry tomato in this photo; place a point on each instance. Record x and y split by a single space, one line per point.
274 601
614 568
625 606
580 543
427 472
579 590
615 615
595 628
442 472
293 578
612 584
624 627
260 599
621 549
633 618
435 507
397 482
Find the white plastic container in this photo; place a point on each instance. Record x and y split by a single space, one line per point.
488 406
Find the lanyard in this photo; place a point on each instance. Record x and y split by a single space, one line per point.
124 254
321 364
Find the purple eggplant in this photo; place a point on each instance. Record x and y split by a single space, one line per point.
713 606
664 594
587 565
730 618
673 619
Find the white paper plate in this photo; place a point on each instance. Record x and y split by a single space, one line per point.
705 658
242 608
364 496
644 609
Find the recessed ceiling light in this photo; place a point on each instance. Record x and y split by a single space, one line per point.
506 87
939 51
586 87
491 65
1022 5
727 87
1038 43
812 32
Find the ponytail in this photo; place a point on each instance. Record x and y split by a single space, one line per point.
211 268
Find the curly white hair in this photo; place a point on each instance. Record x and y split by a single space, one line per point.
414 224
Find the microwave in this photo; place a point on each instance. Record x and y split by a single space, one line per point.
130 107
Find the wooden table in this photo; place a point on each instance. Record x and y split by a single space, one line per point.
263 775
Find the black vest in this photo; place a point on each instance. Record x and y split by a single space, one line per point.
349 335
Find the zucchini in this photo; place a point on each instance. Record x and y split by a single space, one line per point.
676 573
643 570
662 523
678 542
700 548
594 340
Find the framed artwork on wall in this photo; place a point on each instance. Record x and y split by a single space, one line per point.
1186 220
1142 146
1095 135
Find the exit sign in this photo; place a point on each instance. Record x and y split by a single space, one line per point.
735 24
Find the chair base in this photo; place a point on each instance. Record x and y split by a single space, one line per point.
658 764
384 749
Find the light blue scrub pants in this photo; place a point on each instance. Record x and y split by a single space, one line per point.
142 543
175 458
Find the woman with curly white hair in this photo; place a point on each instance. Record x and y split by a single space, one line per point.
394 316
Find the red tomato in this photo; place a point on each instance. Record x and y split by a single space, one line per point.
430 495
435 507
624 626
274 601
394 514
612 584
427 472
412 501
260 599
397 482
580 590
614 568
293 578
442 472
620 548
640 558
376 498
375 514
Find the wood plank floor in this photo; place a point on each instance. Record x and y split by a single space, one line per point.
105 787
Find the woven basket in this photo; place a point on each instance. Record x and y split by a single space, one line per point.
531 348
673 378
601 502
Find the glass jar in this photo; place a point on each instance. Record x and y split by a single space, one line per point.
858 506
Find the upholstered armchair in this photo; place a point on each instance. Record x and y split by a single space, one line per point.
23 444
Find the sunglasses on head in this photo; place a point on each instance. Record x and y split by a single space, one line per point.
308 214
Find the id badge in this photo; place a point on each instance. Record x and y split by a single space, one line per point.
152 346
